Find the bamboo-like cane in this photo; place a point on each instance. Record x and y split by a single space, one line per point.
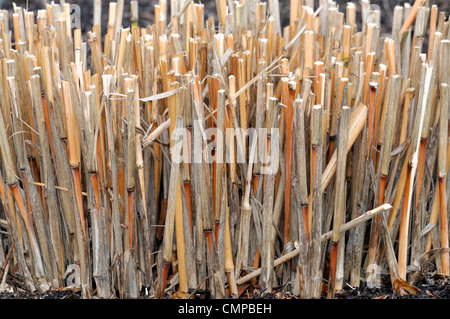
309 52
289 120
388 133
73 141
368 71
339 209
390 53
401 183
220 156
442 174
355 222
170 217
357 121
412 15
11 181
424 140
433 20
378 107
97 12
299 106
317 213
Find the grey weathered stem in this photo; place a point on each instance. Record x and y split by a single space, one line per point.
17 124
220 151
304 264
360 186
197 181
390 124
392 261
413 160
443 131
6 154
444 77
51 200
242 257
267 251
339 203
28 278
97 12
130 164
116 227
357 121
170 217
317 202
339 207
63 176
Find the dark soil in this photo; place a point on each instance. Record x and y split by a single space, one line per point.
53 294
431 287
146 16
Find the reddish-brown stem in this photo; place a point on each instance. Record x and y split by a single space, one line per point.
403 235
21 205
373 247
95 186
216 213
100 163
8 255
306 221
333 262
79 196
256 178
208 236
313 175
25 186
130 215
382 189
330 149
257 258
47 123
378 110
121 185
216 230
187 191
370 122
420 168
36 170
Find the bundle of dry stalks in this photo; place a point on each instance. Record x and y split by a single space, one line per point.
117 158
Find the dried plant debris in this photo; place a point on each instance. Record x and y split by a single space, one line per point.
246 152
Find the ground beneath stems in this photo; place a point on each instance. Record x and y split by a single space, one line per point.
431 287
